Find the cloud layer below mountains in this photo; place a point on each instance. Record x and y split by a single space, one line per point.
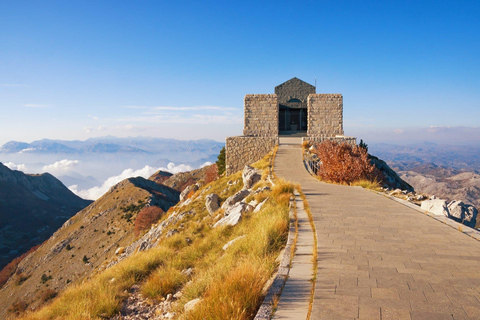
96 192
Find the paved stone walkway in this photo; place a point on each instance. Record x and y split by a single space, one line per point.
298 288
378 259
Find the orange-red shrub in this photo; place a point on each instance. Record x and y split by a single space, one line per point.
343 163
146 217
10 268
211 174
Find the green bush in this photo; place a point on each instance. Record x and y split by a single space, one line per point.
221 162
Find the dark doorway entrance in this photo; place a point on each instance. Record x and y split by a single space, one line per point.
292 120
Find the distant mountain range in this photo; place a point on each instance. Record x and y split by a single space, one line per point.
457 157
111 144
450 172
32 207
87 164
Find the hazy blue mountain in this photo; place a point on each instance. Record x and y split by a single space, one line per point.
32 207
111 144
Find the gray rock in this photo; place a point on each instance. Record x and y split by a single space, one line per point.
239 196
190 305
187 190
212 203
395 192
260 205
420 197
171 233
234 214
188 272
436 206
229 243
464 213
250 176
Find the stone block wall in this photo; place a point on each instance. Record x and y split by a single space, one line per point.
339 139
325 115
261 115
243 150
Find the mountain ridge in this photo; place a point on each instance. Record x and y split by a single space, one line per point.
32 207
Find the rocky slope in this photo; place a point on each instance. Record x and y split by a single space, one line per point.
84 242
32 207
446 184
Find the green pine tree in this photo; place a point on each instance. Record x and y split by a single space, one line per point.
221 162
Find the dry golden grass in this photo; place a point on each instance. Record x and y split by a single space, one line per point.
367 184
101 296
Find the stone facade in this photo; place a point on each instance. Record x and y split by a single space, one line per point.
243 150
294 93
325 115
318 117
261 115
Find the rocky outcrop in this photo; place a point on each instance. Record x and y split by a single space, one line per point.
456 210
239 196
212 203
234 214
391 178
187 190
250 176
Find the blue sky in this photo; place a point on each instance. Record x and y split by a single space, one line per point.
408 70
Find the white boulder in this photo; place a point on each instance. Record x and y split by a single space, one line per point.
436 206
212 203
464 213
234 214
250 176
239 196
190 305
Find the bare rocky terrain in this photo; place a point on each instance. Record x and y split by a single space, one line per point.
445 183
450 172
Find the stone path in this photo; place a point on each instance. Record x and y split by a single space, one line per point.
294 304
378 259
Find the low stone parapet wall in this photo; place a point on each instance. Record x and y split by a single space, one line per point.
243 150
339 139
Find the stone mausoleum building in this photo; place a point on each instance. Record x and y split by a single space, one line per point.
295 109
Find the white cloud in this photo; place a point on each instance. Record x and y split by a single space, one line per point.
170 108
35 105
27 150
188 119
192 108
93 117
101 128
61 166
13 166
98 191
88 129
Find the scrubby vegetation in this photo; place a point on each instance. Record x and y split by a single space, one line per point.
346 164
11 268
146 217
192 260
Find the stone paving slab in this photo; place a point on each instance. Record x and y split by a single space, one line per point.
378 259
295 298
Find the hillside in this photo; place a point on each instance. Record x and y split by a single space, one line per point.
445 183
85 241
181 260
32 207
